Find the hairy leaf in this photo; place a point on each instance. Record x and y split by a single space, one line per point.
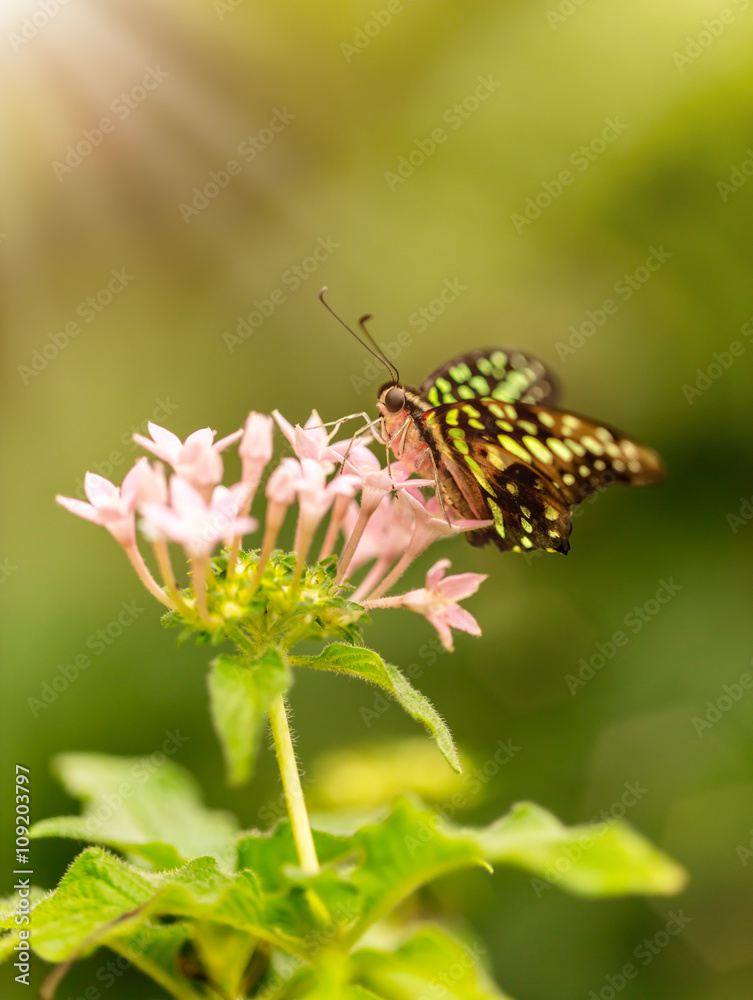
598 859
145 806
241 689
357 661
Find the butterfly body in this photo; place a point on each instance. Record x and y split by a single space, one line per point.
484 428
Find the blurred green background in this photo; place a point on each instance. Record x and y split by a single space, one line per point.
352 104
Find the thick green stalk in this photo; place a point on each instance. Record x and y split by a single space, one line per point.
291 783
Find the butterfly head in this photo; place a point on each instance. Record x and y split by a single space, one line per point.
392 398
400 407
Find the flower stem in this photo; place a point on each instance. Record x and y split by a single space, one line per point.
291 783
339 511
355 537
199 570
275 517
166 569
394 575
137 561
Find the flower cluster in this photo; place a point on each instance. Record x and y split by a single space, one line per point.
383 533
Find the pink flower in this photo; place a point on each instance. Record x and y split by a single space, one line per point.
196 524
386 535
255 449
437 601
151 486
111 506
430 523
309 441
377 482
316 495
284 481
197 460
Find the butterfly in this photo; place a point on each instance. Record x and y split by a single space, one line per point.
484 426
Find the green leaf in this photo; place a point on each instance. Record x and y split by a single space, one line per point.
241 689
413 845
598 859
99 889
425 963
145 806
357 661
429 963
269 855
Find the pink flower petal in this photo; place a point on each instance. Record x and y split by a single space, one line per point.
283 483
163 438
99 490
227 440
184 497
436 573
443 631
460 586
257 445
200 439
79 508
287 428
459 618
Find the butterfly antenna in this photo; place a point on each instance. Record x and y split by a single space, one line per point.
381 358
385 360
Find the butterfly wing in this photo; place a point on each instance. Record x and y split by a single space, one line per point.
526 465
504 374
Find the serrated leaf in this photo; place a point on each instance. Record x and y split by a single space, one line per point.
358 661
408 848
413 845
147 806
103 899
241 689
590 860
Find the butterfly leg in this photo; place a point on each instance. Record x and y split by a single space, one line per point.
337 424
